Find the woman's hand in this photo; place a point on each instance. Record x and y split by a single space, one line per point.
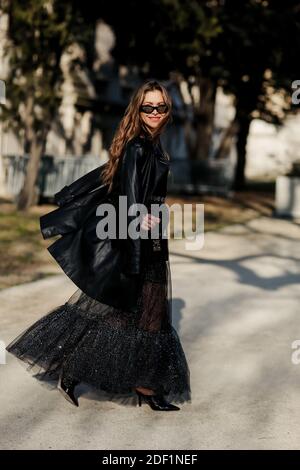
149 221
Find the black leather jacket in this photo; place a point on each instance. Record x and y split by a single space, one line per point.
106 269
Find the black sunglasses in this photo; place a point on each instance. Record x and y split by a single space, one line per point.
148 108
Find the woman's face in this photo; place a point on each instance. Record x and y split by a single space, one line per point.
154 119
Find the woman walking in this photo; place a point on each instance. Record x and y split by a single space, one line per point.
115 332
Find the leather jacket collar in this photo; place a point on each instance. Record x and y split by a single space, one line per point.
153 145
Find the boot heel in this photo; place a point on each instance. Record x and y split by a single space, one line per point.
67 392
156 402
139 395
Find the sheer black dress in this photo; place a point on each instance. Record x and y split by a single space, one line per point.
110 349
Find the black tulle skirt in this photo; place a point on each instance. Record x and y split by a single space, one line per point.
111 349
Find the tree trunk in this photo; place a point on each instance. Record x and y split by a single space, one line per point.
244 122
226 141
205 118
35 139
2 178
29 193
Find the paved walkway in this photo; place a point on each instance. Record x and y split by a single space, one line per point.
236 306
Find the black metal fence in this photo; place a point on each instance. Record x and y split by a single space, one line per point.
186 176
54 172
203 176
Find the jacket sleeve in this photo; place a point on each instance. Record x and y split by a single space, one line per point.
87 182
131 187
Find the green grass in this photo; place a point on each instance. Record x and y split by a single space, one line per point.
23 252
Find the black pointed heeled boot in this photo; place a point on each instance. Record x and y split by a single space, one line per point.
68 391
156 402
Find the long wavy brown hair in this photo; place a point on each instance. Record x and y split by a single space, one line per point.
131 125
